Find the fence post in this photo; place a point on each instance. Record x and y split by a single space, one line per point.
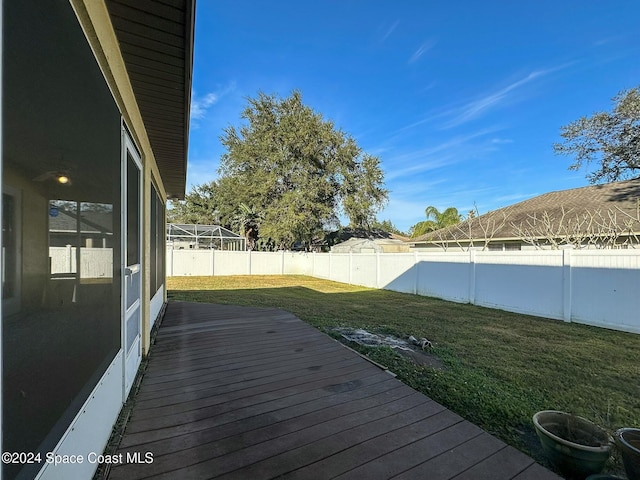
170 262
377 269
566 283
68 264
350 267
281 262
417 275
330 261
472 276
248 262
213 262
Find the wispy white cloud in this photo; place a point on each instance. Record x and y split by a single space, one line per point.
441 155
489 101
457 114
424 48
416 186
201 104
429 86
607 40
389 31
478 107
420 165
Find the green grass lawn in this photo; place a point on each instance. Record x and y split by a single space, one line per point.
500 367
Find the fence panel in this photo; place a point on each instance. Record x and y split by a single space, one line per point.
364 270
94 262
265 263
191 262
444 275
398 272
606 289
231 263
525 282
62 259
340 267
322 265
298 263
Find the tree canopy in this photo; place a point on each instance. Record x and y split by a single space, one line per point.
387 226
197 207
436 220
296 172
610 139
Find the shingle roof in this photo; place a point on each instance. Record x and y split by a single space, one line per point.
616 202
347 233
90 222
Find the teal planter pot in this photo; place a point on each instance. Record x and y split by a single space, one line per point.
628 440
577 447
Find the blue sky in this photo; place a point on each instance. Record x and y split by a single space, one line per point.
461 100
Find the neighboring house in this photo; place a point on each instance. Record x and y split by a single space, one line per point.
92 228
360 241
95 118
597 216
371 245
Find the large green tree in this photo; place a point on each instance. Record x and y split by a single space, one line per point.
297 171
436 220
609 139
197 207
387 226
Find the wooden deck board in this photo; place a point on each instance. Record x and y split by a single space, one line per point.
237 392
261 428
456 460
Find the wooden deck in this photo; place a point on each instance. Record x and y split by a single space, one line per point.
251 393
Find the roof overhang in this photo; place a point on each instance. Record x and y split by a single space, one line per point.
156 41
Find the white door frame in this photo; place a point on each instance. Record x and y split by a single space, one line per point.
131 305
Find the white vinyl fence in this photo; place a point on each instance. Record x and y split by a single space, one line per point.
594 287
94 262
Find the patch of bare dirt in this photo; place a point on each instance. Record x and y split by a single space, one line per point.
417 350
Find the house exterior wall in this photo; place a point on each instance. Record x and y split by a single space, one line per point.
95 21
66 343
515 245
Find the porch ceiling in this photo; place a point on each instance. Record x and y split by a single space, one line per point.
156 40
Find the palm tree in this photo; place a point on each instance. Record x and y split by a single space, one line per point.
436 220
443 219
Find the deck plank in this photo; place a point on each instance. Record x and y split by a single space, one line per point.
456 460
238 392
